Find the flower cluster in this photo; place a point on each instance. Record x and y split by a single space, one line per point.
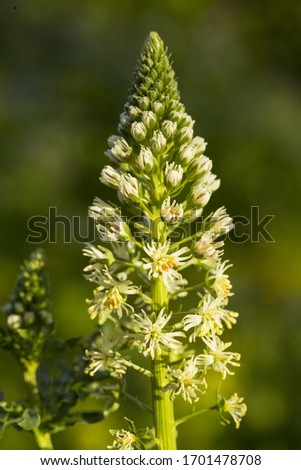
28 318
162 176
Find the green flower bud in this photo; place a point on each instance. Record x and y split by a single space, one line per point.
185 135
173 174
134 112
158 142
158 108
169 128
146 159
138 131
149 119
129 187
110 177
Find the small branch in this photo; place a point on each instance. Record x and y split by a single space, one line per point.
143 371
136 400
193 415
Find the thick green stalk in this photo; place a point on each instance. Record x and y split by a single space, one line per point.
162 404
43 439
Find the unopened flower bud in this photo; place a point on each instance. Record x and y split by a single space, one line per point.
120 149
125 121
46 317
129 187
134 112
143 101
185 135
158 108
29 318
169 128
186 154
138 131
110 177
201 196
173 174
199 144
145 159
158 142
14 321
201 164
149 119
186 120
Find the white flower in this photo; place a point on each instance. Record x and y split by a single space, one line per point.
124 440
173 174
150 336
186 381
207 248
110 177
221 222
104 358
146 159
98 253
217 358
201 193
113 229
209 318
163 263
129 187
109 296
218 280
235 407
138 131
172 213
101 209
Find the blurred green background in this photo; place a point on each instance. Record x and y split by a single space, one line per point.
64 72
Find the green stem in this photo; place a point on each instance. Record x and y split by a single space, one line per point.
43 439
162 404
193 415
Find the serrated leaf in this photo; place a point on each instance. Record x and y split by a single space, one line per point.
30 419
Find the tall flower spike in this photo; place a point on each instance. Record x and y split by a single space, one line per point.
158 167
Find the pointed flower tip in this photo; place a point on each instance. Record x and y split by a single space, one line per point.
154 40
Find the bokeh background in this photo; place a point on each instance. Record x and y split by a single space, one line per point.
64 72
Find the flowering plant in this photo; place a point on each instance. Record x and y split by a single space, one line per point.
164 180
